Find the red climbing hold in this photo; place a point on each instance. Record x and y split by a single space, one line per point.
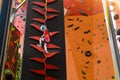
49 78
51 10
35 38
50 66
52 16
40 60
39 72
52 46
39 4
50 1
54 33
39 11
37 48
39 20
35 26
38 37
51 54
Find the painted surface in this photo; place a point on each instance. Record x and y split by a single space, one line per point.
90 7
13 59
88 49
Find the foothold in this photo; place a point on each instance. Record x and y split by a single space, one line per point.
107 38
80 21
94 34
102 25
70 19
86 67
107 67
105 77
116 16
82 51
101 45
113 77
83 72
78 48
70 25
89 42
96 48
77 19
99 61
103 37
98 26
104 20
88 53
74 41
86 32
84 77
77 28
103 33
82 39
101 29
89 25
97 72
106 59
82 13
87 62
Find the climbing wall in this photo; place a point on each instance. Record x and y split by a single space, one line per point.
14 44
37 63
88 49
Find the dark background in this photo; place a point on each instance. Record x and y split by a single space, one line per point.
4 19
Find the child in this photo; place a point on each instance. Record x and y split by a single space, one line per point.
45 38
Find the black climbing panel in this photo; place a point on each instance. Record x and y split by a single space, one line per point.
36 63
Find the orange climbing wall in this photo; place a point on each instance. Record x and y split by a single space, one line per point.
87 33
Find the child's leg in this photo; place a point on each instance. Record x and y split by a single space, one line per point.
45 47
40 42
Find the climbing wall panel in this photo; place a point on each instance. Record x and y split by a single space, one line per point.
45 20
87 41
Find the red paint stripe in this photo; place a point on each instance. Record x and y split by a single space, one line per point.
51 10
35 37
39 20
35 26
39 11
38 37
50 66
50 1
37 48
54 33
39 4
52 16
40 60
52 46
39 72
51 54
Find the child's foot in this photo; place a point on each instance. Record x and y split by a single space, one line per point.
39 45
46 52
